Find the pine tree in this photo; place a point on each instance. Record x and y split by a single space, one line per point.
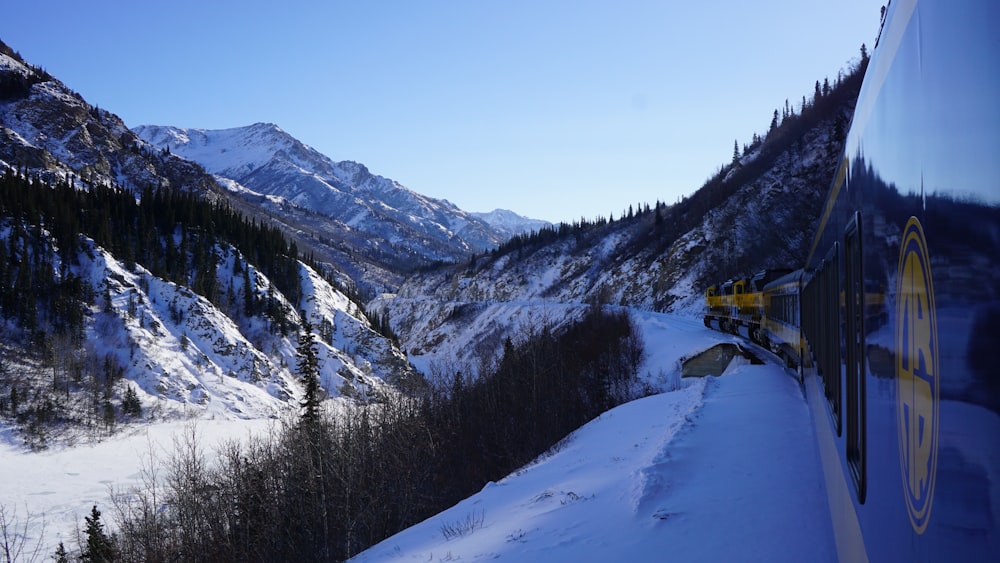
307 366
736 151
131 405
249 297
61 556
99 547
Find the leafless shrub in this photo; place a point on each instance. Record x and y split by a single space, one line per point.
473 521
16 541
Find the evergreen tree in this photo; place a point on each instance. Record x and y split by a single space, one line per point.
131 405
99 547
736 151
249 299
61 556
307 366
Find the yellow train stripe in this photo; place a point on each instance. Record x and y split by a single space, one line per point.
846 526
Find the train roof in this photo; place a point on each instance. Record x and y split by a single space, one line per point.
762 278
791 276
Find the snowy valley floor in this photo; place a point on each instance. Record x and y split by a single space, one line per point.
723 469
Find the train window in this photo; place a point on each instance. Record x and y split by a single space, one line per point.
821 326
854 347
830 331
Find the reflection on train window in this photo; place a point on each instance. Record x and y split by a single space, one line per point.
821 322
830 331
854 346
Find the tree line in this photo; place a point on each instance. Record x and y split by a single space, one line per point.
174 234
45 299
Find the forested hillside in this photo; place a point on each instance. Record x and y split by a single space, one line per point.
110 303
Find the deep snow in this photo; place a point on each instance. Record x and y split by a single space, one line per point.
720 469
723 469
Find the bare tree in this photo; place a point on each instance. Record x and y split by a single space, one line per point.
16 543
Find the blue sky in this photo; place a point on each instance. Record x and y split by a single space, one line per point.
554 109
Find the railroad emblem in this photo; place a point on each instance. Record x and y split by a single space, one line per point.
918 381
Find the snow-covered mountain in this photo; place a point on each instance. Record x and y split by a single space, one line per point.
180 353
262 159
182 349
511 223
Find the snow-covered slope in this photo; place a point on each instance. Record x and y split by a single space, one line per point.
173 351
678 476
263 159
187 357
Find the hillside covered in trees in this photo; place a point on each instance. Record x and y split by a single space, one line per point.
109 302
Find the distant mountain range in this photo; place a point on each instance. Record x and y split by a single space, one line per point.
262 159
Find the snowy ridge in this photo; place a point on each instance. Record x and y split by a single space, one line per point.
511 223
264 159
52 131
198 359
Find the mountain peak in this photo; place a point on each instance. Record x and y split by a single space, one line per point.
263 159
511 223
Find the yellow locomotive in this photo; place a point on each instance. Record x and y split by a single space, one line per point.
763 307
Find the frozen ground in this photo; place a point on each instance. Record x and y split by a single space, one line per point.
719 469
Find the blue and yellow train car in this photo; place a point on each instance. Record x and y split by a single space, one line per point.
893 323
780 321
900 302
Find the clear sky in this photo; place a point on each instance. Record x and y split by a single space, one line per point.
554 109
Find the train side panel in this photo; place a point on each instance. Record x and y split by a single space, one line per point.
901 296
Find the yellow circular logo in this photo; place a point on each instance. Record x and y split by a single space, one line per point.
918 381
